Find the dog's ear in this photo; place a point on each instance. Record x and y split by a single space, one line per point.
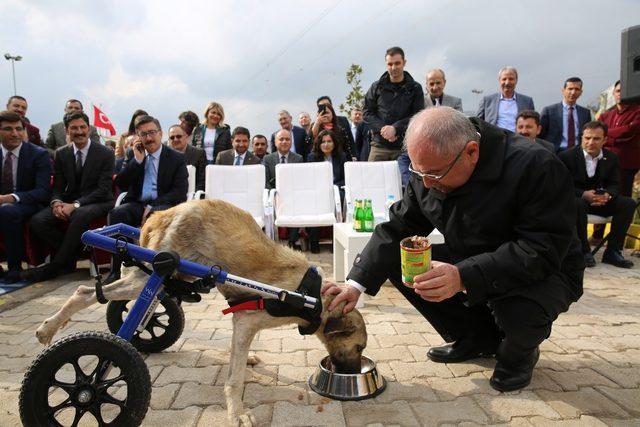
338 325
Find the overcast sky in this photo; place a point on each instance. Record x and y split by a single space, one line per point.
257 57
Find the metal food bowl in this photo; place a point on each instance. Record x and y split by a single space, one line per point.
365 385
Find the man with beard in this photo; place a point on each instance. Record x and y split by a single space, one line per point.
389 104
57 136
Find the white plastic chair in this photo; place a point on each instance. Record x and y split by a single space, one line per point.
372 180
242 186
192 194
597 219
305 195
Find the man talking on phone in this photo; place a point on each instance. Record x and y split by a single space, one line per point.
596 180
155 178
510 263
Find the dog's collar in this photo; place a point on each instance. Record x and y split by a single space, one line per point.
309 286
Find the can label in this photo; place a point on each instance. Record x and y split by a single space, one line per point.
415 258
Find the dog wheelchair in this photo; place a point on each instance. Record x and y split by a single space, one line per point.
102 375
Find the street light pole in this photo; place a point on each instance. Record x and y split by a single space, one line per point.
13 60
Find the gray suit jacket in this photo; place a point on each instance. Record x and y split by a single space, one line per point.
195 156
227 157
447 101
271 160
57 137
488 108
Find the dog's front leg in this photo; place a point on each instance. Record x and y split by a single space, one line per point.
245 326
83 297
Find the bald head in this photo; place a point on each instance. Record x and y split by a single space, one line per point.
443 131
443 147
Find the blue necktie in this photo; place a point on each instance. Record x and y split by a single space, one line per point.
237 162
149 190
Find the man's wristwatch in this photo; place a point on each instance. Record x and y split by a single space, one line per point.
76 204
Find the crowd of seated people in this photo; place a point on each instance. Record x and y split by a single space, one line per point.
67 181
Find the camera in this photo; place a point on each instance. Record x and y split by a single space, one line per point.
322 108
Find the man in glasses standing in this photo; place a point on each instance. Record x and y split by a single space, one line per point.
155 178
510 263
194 156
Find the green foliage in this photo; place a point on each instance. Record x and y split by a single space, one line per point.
355 98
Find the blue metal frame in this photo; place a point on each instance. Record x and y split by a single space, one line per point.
110 239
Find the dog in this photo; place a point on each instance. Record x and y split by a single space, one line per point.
214 232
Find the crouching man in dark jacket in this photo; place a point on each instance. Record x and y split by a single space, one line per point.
511 261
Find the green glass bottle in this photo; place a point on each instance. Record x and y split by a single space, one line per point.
358 223
368 216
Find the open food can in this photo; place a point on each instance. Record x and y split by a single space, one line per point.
415 257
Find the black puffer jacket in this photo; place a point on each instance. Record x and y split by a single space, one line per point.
393 104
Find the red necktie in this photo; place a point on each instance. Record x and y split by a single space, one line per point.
571 132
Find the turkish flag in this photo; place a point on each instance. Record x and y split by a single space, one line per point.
100 120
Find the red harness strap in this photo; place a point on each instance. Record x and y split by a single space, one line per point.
256 304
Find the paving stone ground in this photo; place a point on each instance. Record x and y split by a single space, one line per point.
588 374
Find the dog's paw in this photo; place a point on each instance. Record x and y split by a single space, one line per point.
45 332
252 359
245 419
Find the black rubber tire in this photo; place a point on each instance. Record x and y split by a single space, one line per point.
35 409
172 326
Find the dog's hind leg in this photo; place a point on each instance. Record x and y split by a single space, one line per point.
127 288
245 326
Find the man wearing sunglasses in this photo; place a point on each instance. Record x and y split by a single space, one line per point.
511 262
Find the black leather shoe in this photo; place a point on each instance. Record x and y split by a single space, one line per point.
314 247
460 351
506 378
11 276
615 258
589 260
39 274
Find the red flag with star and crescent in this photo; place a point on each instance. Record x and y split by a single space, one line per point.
100 120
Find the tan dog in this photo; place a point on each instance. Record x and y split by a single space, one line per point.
215 232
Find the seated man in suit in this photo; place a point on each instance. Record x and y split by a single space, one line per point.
24 187
283 154
562 122
435 96
82 192
298 135
194 156
239 155
501 109
57 135
18 104
259 146
597 187
528 125
155 178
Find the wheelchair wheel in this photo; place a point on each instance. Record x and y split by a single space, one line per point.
162 331
93 378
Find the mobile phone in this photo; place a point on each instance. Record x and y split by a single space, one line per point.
600 191
322 108
140 147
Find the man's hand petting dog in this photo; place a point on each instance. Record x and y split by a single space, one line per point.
342 293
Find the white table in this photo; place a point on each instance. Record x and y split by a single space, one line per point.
348 243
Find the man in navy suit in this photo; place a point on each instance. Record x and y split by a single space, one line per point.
24 187
562 122
502 108
298 135
155 178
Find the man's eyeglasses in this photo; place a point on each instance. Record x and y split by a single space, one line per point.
175 137
147 133
435 177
